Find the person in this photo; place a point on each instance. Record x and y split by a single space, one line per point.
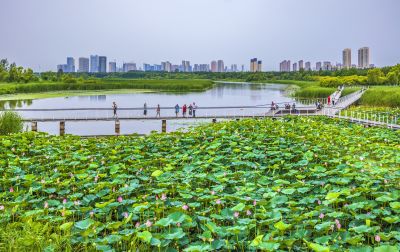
329 100
114 107
272 105
333 102
176 110
190 109
145 109
194 109
293 107
184 108
158 111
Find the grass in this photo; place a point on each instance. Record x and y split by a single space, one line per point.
381 114
382 97
108 84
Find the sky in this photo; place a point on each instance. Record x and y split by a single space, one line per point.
41 33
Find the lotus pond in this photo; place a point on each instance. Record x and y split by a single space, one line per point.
299 184
382 114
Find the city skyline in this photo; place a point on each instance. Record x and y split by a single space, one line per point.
143 30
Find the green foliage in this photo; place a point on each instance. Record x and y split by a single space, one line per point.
381 96
375 76
266 185
10 122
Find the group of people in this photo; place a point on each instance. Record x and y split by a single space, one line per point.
318 105
191 109
287 106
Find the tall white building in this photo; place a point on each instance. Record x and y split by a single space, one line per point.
112 67
71 65
220 66
346 58
301 65
308 66
83 65
363 57
94 63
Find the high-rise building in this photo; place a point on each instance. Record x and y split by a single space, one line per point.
94 63
242 68
301 65
327 66
71 65
63 68
295 67
346 58
221 66
363 57
102 64
186 66
214 66
112 67
128 67
318 66
284 66
259 66
253 65
83 65
307 66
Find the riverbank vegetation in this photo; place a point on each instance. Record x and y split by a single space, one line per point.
10 122
381 96
288 184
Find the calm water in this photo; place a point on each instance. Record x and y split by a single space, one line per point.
221 95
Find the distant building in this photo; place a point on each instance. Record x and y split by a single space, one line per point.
102 64
242 68
327 66
221 66
214 66
301 65
63 68
346 58
234 68
186 66
83 65
94 63
259 66
128 67
363 57
318 66
253 65
295 67
166 66
307 66
112 67
284 66
71 65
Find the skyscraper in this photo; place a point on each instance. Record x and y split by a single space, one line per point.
94 63
221 66
214 66
301 66
186 66
112 67
83 65
259 66
327 66
71 65
253 65
102 64
318 66
307 66
284 66
127 67
346 58
363 57
295 67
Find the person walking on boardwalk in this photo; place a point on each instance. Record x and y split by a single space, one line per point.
190 110
145 109
176 110
114 107
329 100
184 108
194 109
158 111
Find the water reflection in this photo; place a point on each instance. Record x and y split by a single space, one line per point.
13 104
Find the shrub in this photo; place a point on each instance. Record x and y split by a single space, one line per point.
10 122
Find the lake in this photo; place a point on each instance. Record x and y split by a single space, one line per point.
223 94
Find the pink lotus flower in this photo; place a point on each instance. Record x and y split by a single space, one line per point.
178 224
1 207
137 224
46 205
218 201
377 238
321 216
322 183
125 214
338 226
63 213
248 212
64 201
319 202
156 197
163 197
212 192
236 214
185 207
11 190
119 199
149 223
254 202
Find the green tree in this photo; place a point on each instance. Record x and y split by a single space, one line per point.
374 76
392 78
10 122
27 75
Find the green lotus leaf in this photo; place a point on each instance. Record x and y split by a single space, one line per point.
66 226
395 205
288 191
84 224
269 246
282 226
175 234
386 248
157 173
384 198
164 222
257 241
332 195
144 236
239 207
317 247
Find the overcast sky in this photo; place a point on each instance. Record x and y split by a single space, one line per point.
41 33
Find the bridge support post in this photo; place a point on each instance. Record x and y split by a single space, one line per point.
214 120
164 126
34 126
62 128
117 127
